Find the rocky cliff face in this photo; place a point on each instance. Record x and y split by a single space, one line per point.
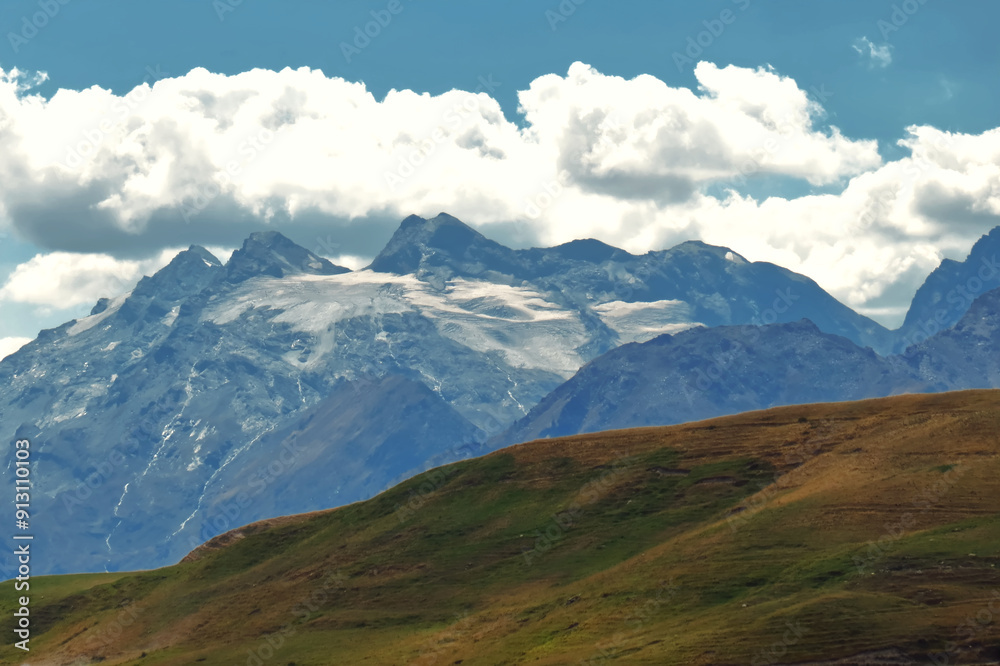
949 291
966 355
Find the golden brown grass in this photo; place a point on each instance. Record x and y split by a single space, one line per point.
800 534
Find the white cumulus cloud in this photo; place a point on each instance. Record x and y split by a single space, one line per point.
62 280
10 345
107 182
92 171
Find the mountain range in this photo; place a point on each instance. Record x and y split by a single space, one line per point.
701 373
213 394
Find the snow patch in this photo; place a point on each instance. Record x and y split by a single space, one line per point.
171 317
641 322
90 322
518 322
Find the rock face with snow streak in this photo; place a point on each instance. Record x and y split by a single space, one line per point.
167 408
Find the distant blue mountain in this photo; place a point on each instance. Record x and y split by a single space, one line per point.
707 372
949 291
156 418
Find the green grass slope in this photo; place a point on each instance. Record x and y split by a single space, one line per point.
836 533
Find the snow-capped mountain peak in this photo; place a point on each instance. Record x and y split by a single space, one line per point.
192 382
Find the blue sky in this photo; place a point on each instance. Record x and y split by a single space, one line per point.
947 55
875 68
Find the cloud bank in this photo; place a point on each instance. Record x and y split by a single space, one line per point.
10 345
60 280
207 158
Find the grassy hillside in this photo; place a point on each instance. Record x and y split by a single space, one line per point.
805 534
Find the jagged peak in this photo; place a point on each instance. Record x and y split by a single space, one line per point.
189 270
411 221
269 238
417 238
203 254
986 239
274 254
437 224
938 302
195 256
